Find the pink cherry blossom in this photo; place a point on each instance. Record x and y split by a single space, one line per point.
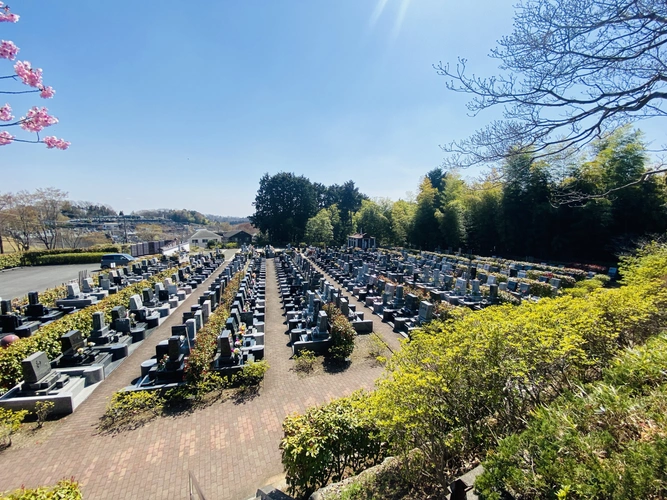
5 138
6 113
37 119
53 142
47 92
8 50
8 17
29 76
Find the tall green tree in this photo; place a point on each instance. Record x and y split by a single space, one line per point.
402 218
319 229
425 227
373 220
283 205
450 213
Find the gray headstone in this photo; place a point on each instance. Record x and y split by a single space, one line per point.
98 320
174 347
322 321
71 341
35 367
425 311
224 346
88 285
73 290
135 302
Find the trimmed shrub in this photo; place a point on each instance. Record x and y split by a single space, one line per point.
47 257
64 490
10 260
342 334
68 258
328 443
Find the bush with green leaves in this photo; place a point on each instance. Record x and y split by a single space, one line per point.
42 411
47 257
69 258
66 489
125 406
251 375
604 440
328 443
462 383
10 422
342 334
304 361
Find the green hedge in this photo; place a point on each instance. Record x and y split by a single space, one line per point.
46 257
47 338
69 258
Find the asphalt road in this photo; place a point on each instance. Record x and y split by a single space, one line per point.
18 282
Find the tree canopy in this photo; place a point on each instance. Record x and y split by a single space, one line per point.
571 71
285 202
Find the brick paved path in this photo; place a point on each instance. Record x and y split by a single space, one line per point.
231 448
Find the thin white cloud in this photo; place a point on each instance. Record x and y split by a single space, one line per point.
399 19
379 8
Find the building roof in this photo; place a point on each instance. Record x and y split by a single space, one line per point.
357 236
205 233
234 232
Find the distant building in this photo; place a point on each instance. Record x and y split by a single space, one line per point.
239 236
203 236
360 240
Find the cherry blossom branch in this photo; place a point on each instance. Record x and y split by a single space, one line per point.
36 119
19 92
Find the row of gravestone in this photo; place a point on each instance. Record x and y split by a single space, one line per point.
307 323
86 360
451 284
427 271
242 339
404 311
24 322
167 367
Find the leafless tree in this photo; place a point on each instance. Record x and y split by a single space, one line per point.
48 204
21 219
571 71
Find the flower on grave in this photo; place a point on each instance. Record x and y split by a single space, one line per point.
242 328
79 351
237 351
163 362
91 344
238 343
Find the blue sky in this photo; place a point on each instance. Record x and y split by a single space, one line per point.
187 104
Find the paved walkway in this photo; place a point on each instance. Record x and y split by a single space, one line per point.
232 449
